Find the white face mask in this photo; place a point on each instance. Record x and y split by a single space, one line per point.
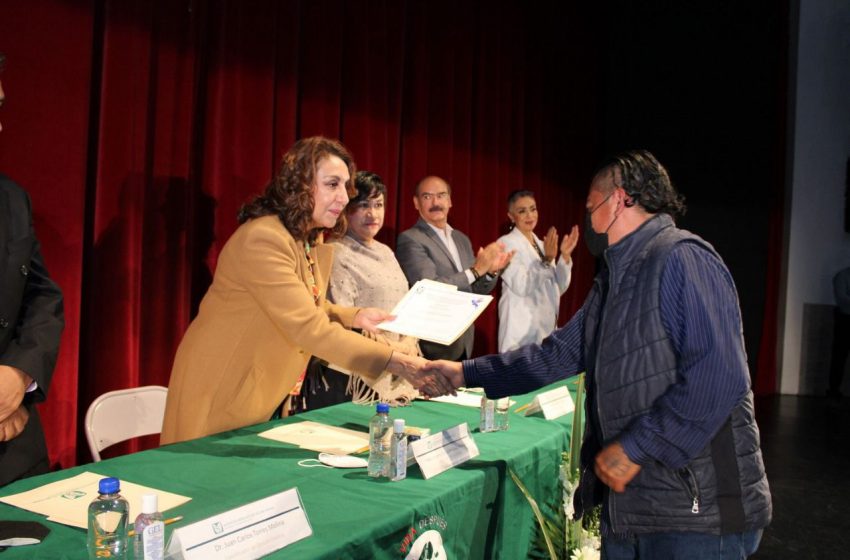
331 461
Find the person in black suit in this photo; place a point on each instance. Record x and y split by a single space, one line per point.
433 250
31 322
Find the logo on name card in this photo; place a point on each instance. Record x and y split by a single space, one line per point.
424 540
217 528
74 495
476 302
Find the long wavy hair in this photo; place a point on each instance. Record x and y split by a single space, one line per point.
289 196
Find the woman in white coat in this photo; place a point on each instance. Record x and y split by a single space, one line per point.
536 279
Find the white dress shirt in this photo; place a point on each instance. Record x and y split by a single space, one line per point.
445 236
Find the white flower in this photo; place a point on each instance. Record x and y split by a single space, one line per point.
569 491
585 553
569 510
589 540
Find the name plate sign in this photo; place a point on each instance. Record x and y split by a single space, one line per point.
444 450
553 404
247 532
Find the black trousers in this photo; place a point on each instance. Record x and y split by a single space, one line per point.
322 387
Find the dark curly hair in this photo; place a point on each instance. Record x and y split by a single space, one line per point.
369 185
646 181
290 194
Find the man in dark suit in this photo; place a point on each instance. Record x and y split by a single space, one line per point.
433 250
31 322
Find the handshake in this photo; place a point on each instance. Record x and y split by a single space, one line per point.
431 378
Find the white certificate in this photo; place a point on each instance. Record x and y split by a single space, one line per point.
436 312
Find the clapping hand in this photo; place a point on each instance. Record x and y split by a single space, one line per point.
568 243
492 258
504 260
550 244
486 259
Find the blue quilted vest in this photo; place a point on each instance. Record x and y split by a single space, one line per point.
724 488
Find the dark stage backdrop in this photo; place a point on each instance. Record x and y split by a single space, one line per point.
703 86
139 127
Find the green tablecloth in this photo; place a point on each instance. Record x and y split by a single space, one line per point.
475 507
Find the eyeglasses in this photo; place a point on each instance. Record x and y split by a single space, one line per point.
430 196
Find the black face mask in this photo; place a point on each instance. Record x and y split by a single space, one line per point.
596 242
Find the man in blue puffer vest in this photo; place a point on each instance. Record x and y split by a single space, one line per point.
671 447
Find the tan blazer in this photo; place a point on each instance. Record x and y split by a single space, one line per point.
256 328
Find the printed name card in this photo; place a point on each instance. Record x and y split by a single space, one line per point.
444 450
247 532
553 404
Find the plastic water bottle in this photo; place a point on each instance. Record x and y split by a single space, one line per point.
149 543
398 452
502 406
379 442
487 423
107 521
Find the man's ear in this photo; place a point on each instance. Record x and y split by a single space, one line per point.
628 200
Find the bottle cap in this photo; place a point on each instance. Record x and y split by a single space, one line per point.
398 426
149 503
108 485
383 407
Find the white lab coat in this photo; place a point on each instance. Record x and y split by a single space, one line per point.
531 294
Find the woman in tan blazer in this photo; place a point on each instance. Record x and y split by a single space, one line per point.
265 313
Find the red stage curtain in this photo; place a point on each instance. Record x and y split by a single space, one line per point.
139 127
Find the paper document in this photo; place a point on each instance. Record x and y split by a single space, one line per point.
67 501
319 437
464 398
436 312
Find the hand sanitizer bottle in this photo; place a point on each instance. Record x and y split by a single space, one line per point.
149 541
398 451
